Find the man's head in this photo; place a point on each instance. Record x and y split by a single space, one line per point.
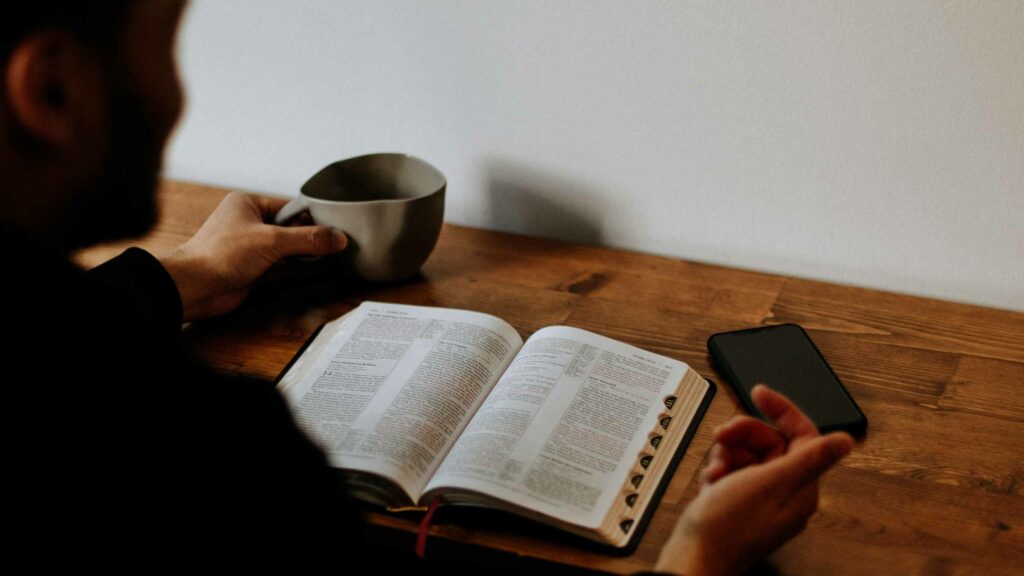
89 94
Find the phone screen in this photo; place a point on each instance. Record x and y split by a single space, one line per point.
784 358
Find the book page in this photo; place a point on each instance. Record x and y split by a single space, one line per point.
564 425
394 386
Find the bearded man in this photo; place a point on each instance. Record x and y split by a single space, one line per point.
122 447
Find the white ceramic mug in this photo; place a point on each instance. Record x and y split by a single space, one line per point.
390 205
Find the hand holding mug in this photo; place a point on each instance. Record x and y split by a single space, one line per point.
216 268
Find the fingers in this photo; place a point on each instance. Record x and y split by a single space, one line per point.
279 242
810 460
715 468
752 434
740 442
304 239
269 206
309 240
791 421
727 459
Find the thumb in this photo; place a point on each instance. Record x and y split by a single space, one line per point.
808 461
311 240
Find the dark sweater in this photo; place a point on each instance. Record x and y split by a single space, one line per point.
122 442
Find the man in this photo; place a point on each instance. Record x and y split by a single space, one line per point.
117 440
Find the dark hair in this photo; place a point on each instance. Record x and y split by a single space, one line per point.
97 22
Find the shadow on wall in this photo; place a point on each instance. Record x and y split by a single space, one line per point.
529 201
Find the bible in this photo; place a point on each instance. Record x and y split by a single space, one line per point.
569 428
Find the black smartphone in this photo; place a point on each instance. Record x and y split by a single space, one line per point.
784 358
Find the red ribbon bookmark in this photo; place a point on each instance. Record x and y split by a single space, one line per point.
421 537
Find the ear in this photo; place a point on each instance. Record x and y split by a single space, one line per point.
52 87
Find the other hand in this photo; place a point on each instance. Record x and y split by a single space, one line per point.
216 268
758 490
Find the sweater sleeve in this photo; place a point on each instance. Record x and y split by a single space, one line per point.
140 285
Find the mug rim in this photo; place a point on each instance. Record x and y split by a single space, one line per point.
440 188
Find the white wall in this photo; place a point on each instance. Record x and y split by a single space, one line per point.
875 143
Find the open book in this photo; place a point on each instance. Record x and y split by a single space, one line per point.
569 428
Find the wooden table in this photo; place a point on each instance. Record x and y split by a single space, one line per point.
936 488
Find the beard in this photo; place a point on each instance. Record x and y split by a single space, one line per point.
121 202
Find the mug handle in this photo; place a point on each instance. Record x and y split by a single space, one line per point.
291 210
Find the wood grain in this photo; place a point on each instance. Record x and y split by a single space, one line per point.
936 487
